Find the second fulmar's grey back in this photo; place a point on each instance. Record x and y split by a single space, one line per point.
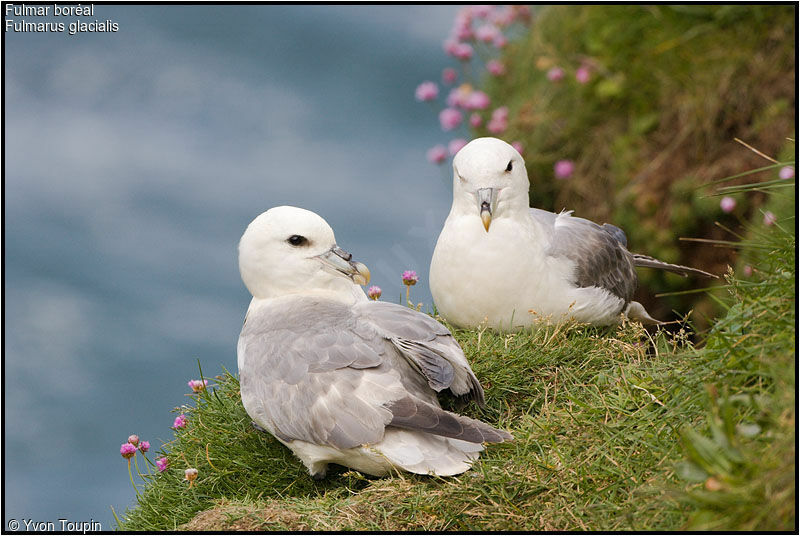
598 252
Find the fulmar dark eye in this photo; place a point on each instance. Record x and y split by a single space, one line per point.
297 240
509 166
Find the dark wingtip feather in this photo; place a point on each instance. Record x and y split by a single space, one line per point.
414 414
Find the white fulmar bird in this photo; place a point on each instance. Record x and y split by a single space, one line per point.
341 379
500 263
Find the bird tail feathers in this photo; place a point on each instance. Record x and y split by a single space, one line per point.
685 271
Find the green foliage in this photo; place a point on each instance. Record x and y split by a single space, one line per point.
744 461
670 89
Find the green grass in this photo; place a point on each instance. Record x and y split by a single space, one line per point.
615 429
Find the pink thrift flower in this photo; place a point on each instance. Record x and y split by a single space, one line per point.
410 277
727 204
197 385
582 75
555 74
786 172
162 464
374 292
482 10
456 145
127 450
426 91
449 75
437 154
144 446
497 126
462 25
518 146
449 118
500 41
769 218
450 47
133 439
503 17
747 270
458 96
486 33
180 422
464 16
462 32
563 169
463 51
500 113
475 120
477 100
495 68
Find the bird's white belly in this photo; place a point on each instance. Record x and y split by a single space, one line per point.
501 279
317 457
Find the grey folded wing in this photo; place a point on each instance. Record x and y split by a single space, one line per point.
427 345
598 252
412 413
302 361
319 371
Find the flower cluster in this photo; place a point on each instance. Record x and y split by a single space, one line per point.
180 422
556 73
128 450
162 464
499 121
482 24
478 30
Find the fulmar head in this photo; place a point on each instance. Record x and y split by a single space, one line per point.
288 250
489 179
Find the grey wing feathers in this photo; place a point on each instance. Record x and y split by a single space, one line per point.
616 232
437 371
428 346
598 252
299 372
685 271
415 414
